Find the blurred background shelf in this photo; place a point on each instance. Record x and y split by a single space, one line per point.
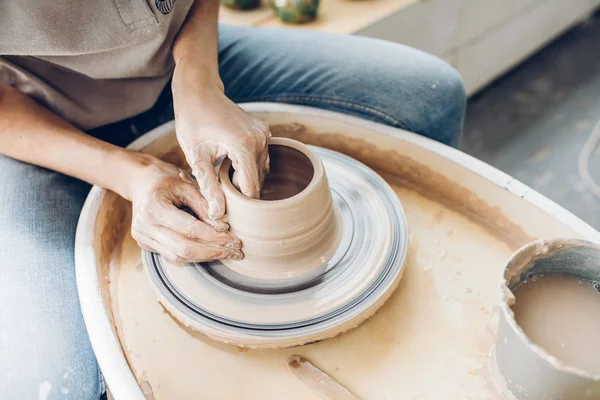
250 17
481 38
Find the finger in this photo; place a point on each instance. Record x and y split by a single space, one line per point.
192 228
246 172
152 245
264 168
185 176
190 196
193 251
234 180
267 165
146 247
267 159
263 159
210 188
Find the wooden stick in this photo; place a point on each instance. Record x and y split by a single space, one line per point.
316 380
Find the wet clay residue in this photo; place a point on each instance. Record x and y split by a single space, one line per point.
114 220
147 390
113 225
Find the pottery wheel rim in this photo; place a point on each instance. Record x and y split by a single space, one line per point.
348 291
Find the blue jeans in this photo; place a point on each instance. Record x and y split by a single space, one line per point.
44 349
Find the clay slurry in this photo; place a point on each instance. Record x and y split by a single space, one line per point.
560 314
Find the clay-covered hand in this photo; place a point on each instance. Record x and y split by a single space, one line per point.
159 191
210 126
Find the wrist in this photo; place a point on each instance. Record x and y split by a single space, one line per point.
193 71
128 167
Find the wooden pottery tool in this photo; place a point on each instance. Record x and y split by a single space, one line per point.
316 380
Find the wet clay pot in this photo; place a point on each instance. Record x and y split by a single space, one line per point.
294 228
525 370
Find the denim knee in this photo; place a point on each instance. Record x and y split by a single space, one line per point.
58 382
446 121
375 79
45 352
437 98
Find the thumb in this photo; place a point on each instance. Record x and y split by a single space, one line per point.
191 197
210 188
246 176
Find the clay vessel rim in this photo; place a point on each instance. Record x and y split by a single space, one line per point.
523 256
318 174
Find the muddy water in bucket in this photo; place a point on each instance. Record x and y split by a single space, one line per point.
547 342
561 313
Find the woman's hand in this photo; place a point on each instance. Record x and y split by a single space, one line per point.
158 192
210 126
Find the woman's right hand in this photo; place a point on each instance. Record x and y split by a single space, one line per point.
158 193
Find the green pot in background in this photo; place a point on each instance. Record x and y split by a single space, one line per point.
241 4
296 11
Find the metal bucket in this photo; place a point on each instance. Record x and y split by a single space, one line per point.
526 371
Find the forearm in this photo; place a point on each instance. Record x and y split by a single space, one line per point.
31 133
196 46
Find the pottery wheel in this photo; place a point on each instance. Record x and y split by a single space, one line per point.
344 291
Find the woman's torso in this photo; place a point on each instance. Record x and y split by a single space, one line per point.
92 62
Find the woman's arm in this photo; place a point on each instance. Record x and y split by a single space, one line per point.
31 133
197 43
208 124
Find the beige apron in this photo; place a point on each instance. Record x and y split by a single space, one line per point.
92 62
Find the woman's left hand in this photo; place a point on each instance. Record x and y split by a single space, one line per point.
210 126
